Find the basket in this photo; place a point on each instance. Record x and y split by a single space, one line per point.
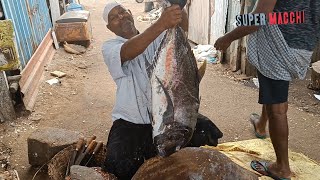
58 165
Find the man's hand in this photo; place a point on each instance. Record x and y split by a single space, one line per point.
222 43
171 17
261 6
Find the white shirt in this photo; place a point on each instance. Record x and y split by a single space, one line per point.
133 98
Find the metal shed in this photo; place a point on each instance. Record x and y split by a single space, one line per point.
211 19
31 21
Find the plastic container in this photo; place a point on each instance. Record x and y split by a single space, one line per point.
74 7
148 6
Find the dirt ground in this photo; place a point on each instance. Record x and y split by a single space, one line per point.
84 100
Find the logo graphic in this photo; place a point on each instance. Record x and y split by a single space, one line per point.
260 19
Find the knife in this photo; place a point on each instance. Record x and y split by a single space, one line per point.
88 142
68 169
95 151
82 155
73 157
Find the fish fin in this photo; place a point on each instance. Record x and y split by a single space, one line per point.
168 114
150 116
202 69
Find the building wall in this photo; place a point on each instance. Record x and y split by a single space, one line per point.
31 23
199 21
218 20
211 19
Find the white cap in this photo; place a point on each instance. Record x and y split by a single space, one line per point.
110 5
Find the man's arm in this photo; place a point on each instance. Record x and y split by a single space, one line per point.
171 17
261 6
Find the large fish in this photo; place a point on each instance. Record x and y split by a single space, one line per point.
175 92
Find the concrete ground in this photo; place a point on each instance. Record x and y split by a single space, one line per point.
84 101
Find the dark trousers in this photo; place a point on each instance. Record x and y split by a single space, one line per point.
129 145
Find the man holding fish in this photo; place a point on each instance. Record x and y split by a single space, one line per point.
129 58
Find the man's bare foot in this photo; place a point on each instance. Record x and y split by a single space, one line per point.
260 132
282 172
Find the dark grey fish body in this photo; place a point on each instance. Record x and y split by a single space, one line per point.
175 92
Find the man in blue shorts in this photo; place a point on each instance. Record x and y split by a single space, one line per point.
280 53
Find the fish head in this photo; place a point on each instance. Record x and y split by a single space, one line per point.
174 137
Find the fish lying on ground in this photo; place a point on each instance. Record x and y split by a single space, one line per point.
175 92
193 163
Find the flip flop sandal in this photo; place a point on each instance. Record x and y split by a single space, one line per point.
253 118
264 170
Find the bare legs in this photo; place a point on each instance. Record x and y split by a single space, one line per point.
279 132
